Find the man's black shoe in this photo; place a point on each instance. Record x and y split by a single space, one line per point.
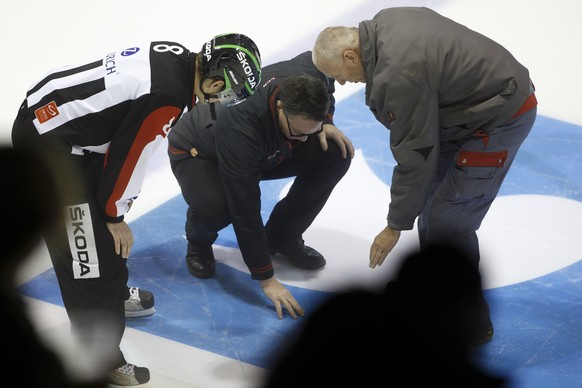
200 262
298 254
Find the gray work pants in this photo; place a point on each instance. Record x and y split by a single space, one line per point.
469 176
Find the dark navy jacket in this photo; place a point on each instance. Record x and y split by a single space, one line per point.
245 141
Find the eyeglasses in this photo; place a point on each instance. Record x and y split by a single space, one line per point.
302 134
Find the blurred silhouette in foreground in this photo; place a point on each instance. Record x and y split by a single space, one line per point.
419 332
30 206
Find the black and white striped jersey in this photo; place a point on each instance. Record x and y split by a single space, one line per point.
122 105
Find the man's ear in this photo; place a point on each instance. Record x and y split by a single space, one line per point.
213 86
351 57
218 85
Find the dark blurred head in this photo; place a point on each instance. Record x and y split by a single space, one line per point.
439 293
30 203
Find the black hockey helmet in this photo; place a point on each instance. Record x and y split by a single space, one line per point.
236 59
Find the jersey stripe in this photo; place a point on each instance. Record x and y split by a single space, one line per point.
72 93
75 109
60 83
65 73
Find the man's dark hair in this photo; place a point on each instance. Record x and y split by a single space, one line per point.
306 96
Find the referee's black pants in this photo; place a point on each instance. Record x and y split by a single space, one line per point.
91 277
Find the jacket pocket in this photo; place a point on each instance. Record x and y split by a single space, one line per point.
481 164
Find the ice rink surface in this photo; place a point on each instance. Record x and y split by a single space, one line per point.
220 332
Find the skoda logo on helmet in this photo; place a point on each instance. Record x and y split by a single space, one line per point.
242 58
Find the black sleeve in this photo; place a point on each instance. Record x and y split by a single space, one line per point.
239 155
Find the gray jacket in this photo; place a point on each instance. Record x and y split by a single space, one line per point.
431 80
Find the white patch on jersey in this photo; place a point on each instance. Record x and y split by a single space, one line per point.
100 149
82 241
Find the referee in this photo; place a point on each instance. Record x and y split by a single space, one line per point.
98 123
